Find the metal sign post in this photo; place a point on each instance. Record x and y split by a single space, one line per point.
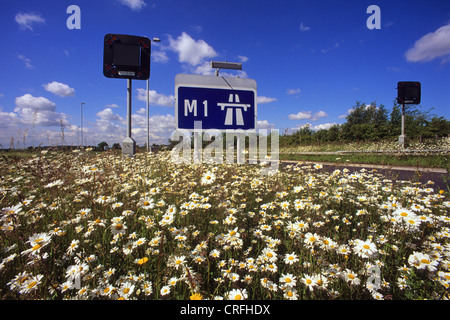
408 92
127 57
128 144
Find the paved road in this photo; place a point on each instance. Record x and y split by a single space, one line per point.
438 176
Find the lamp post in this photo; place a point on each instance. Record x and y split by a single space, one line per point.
81 125
148 106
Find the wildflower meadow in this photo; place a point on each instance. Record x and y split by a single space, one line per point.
101 226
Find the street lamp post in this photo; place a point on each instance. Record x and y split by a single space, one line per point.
81 125
148 106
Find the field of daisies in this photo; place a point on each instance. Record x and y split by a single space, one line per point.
99 226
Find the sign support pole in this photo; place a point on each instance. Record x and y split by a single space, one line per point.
148 117
128 108
239 159
197 137
128 145
402 138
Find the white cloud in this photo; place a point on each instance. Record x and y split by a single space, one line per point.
8 119
323 126
156 98
27 61
205 69
321 114
26 20
27 101
264 124
159 56
308 115
242 58
108 114
112 105
300 115
135 5
293 91
60 89
343 116
433 45
38 111
191 51
302 27
262 99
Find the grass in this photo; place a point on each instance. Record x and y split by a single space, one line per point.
98 226
409 160
434 153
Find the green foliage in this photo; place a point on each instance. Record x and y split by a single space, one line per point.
374 123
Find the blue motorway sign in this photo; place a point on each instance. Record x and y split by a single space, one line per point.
218 102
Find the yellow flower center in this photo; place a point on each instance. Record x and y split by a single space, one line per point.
366 247
238 297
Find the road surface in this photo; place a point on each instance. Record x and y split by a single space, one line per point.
440 177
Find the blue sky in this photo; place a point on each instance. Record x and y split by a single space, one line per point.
312 60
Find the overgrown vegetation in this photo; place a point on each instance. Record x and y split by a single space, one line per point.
100 226
373 123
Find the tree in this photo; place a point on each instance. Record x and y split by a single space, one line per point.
366 122
102 146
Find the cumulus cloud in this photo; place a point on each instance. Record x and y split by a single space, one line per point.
156 98
433 45
300 115
323 126
135 5
108 114
264 124
160 56
38 111
60 89
308 115
8 119
27 20
262 99
191 51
